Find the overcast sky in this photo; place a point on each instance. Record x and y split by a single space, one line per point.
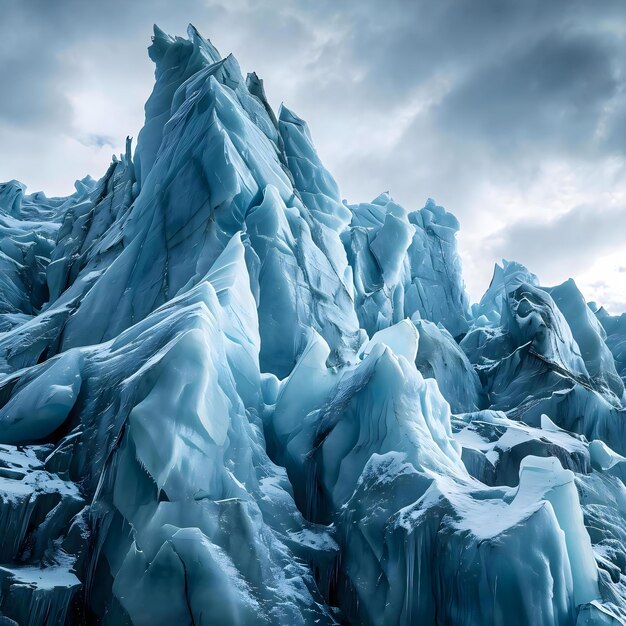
511 114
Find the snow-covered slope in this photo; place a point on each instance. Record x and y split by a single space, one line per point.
227 396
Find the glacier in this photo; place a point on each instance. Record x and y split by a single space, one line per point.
228 396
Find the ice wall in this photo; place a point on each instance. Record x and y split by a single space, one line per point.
227 396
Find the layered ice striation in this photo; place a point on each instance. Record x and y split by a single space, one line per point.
227 396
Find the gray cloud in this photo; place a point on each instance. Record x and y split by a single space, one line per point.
99 141
550 94
570 241
32 82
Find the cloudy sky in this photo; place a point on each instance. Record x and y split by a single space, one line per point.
510 114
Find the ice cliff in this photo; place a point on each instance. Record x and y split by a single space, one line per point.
227 396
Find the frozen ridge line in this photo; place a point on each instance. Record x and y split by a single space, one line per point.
229 397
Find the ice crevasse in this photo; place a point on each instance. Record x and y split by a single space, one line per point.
227 396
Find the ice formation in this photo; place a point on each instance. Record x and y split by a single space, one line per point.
229 397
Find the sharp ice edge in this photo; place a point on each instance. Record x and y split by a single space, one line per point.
229 397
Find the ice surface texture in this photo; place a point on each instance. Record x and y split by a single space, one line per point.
229 397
